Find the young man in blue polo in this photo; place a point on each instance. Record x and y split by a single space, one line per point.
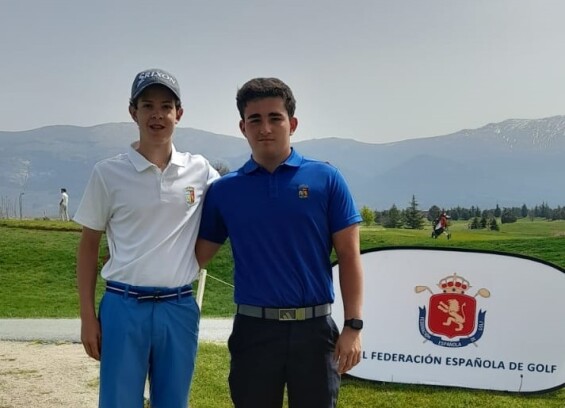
148 201
286 215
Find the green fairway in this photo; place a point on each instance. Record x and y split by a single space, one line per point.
38 260
37 274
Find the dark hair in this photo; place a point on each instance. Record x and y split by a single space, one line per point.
133 102
63 190
259 88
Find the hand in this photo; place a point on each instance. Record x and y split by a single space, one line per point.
348 349
90 336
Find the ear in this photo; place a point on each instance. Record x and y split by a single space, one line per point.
133 113
180 112
293 124
242 127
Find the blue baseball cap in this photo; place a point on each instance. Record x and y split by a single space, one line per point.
154 76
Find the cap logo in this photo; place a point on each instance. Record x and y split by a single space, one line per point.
150 74
157 77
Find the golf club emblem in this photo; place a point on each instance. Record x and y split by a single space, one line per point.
451 319
189 195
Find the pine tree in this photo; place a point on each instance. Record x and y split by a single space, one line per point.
483 222
507 217
392 219
497 211
413 218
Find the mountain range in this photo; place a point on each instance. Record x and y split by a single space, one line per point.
514 162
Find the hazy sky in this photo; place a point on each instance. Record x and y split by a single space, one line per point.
370 70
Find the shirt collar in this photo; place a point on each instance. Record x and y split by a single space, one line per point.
293 160
141 163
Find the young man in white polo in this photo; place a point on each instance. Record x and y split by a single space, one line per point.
148 201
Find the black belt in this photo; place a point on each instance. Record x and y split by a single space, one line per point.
285 314
148 295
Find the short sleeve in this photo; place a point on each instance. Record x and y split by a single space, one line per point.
94 209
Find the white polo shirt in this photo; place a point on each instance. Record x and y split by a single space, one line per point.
64 199
151 217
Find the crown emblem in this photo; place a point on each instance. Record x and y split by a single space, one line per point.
454 284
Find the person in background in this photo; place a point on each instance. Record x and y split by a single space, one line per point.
64 205
148 201
441 226
290 213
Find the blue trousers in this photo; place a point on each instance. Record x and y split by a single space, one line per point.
141 338
266 355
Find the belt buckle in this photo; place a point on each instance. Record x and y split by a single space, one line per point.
151 297
292 314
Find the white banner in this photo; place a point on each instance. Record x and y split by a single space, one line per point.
461 318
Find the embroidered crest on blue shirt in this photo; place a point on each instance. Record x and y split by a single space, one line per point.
189 195
303 191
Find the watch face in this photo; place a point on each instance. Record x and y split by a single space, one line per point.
356 324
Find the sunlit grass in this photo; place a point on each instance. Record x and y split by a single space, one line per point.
37 275
38 260
210 390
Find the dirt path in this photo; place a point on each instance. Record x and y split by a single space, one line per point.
47 375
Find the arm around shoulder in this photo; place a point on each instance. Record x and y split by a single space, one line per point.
205 251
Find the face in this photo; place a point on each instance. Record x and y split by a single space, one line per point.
156 115
268 128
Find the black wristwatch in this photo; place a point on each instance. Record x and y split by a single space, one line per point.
355 324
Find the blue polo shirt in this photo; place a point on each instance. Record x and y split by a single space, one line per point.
280 226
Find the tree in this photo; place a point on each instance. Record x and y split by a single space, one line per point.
524 211
455 213
475 224
507 216
483 221
221 167
497 211
392 218
377 217
465 214
368 215
493 225
544 210
413 218
433 213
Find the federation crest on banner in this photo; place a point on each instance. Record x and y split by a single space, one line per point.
451 319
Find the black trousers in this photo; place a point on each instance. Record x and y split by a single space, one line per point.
266 355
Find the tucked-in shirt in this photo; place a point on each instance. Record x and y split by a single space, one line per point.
151 217
280 227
